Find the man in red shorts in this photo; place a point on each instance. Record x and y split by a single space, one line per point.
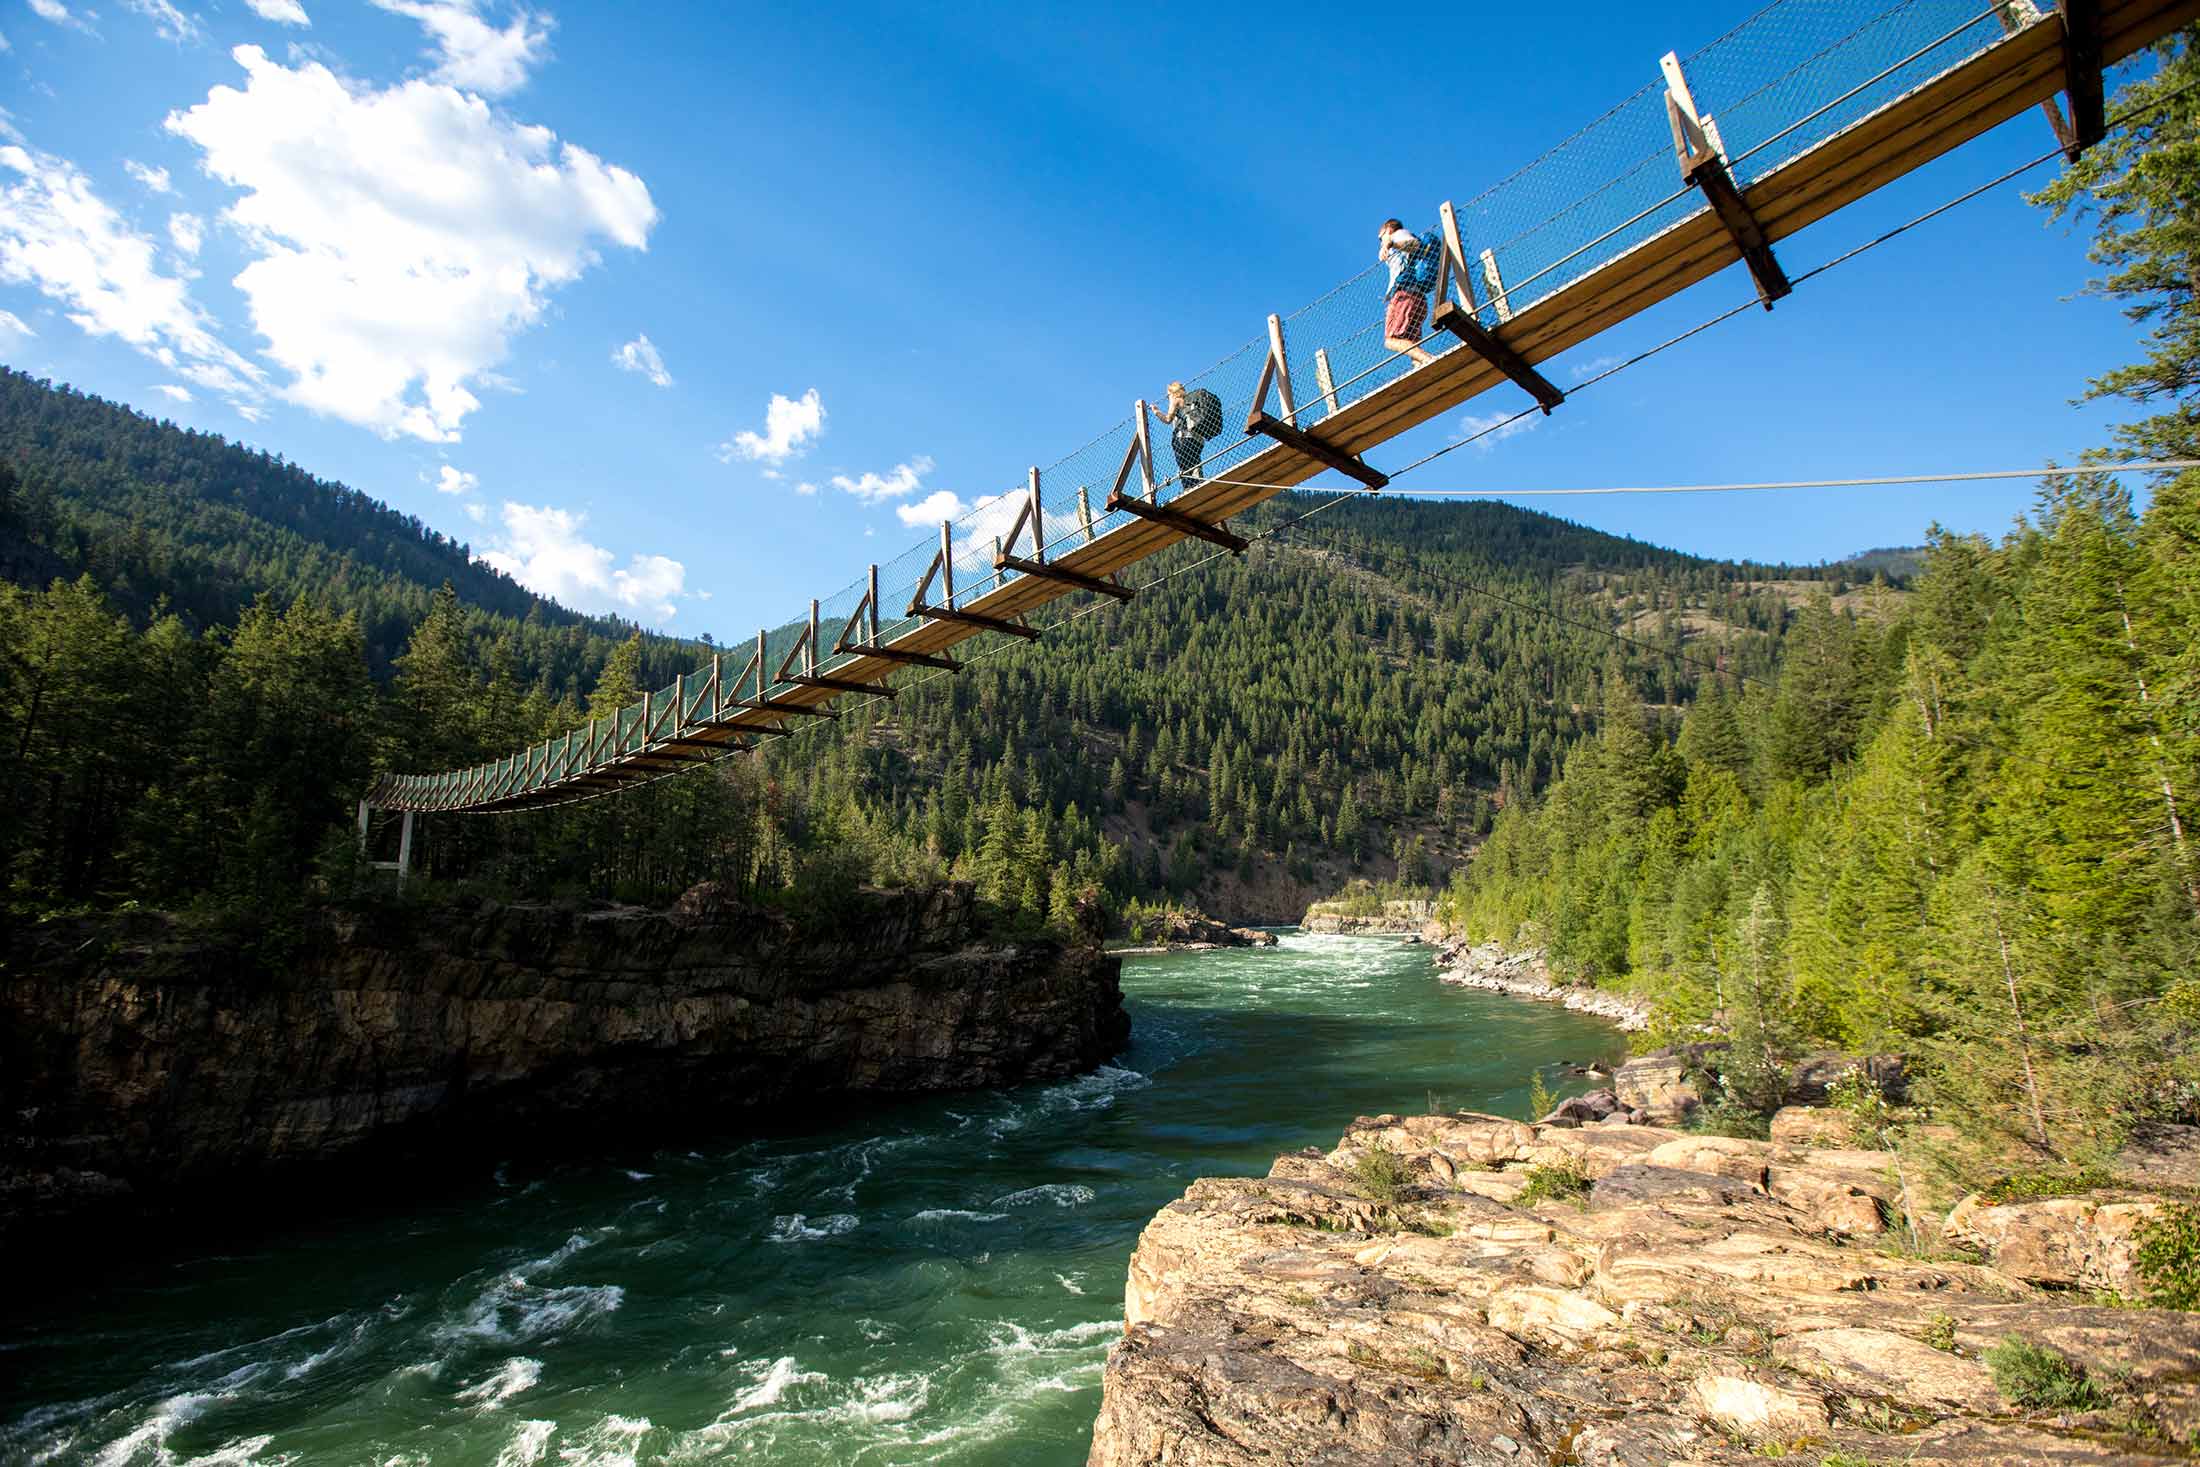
1407 307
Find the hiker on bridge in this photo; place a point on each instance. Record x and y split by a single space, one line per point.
1412 262
1193 417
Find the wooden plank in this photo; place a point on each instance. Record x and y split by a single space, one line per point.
1324 381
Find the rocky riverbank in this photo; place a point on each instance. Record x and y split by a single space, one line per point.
1183 931
1524 975
1462 1289
1393 919
141 1062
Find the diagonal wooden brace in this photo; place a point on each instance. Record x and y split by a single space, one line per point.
1180 522
1306 443
1485 344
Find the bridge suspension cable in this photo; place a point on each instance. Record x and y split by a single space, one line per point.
1348 372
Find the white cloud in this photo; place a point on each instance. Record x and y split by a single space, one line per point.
169 23
543 549
791 425
941 504
641 355
403 236
60 14
14 325
473 53
1582 371
1495 427
477 511
805 487
59 237
282 12
4 46
900 482
186 232
155 179
455 481
175 390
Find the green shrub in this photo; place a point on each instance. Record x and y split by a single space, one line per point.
1725 1118
1549 1183
1380 1173
2033 1376
1541 1100
2169 1257
2038 1186
1941 1333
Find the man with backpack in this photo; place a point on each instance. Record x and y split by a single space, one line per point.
1412 262
1193 417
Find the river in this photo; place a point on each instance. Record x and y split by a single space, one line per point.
936 1281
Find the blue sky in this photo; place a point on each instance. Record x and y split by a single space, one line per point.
538 275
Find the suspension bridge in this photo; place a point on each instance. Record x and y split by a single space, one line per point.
1798 112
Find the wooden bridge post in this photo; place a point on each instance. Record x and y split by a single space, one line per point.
1325 381
1145 451
809 647
1460 318
405 848
1283 369
364 814
873 639
947 564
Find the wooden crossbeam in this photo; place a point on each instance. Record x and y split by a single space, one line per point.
913 659
1485 344
1703 168
1066 577
754 706
762 728
845 685
2082 74
975 619
1181 522
1306 443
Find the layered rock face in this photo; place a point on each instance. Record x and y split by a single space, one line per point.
136 1060
1408 1299
1397 919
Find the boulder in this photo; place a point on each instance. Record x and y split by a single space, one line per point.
1656 1085
2063 1242
1582 1110
1875 1362
1758 1410
1809 1125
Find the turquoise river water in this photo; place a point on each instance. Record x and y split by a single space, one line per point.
936 1281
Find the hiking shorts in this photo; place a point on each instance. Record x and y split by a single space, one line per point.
1403 317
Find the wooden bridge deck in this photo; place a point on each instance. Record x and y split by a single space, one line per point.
1997 84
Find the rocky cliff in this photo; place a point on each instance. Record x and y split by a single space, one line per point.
1393 919
139 1061
1443 1290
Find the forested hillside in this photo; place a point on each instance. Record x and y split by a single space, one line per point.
190 523
1966 832
228 649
